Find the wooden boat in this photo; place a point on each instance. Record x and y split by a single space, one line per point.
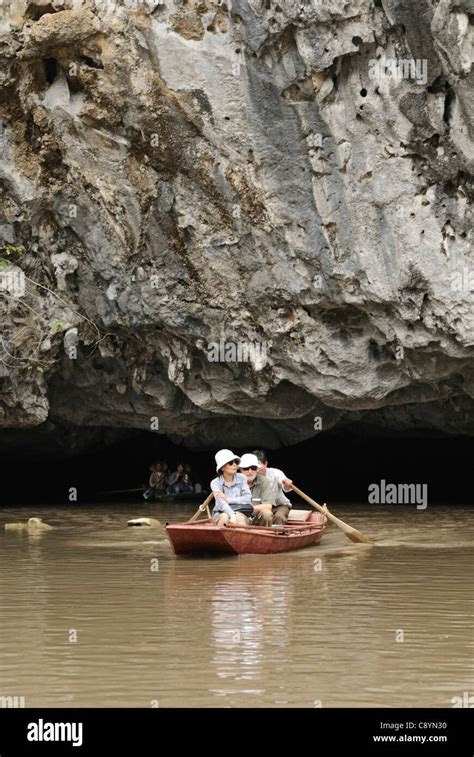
304 528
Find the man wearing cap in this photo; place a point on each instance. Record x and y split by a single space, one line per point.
279 483
233 500
262 495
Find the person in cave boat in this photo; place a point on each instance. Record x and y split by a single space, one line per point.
156 482
233 498
179 481
280 484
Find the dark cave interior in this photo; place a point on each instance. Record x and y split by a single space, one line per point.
334 467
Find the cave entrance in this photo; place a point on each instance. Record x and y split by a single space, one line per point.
334 467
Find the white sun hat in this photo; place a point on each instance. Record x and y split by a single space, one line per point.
225 456
248 460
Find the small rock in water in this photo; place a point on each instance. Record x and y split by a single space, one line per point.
148 522
33 524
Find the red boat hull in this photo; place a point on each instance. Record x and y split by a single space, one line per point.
205 536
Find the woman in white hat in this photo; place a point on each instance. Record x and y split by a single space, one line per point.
233 499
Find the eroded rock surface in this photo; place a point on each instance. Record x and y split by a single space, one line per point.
177 173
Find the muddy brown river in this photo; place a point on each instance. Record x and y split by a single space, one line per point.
97 614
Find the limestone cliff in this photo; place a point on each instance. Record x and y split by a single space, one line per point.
289 175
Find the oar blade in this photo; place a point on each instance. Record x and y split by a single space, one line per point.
357 537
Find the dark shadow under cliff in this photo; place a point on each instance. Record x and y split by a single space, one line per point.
337 466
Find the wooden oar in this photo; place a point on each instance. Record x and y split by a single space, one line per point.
350 532
201 508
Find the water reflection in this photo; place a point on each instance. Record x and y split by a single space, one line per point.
248 618
237 634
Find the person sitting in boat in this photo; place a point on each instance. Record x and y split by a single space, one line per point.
179 481
233 499
156 482
263 499
279 483
197 486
